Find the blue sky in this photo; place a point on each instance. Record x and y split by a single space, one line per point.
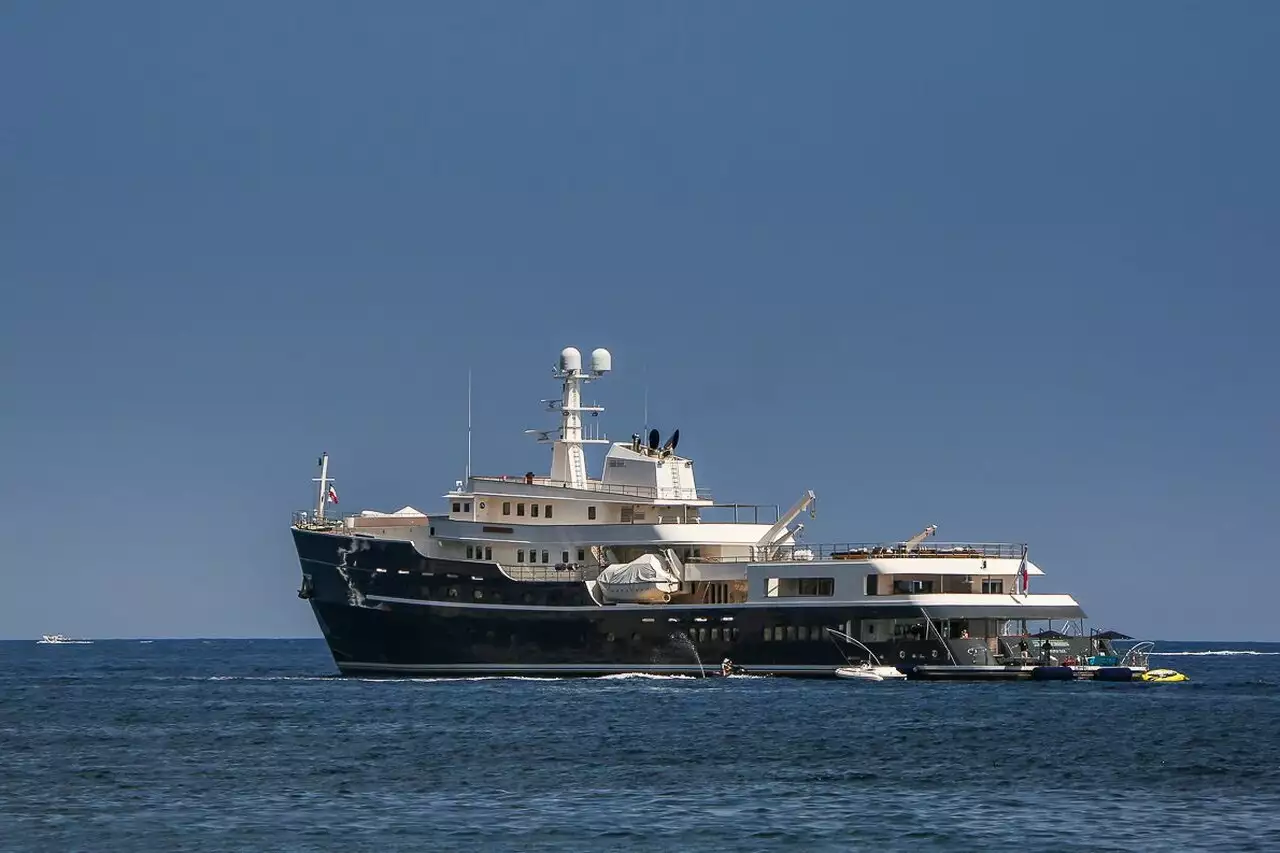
1006 268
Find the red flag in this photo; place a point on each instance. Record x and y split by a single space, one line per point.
333 495
1022 571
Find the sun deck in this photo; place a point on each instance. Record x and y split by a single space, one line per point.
529 484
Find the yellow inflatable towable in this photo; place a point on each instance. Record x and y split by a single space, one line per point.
1163 676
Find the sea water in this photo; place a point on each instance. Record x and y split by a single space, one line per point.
256 745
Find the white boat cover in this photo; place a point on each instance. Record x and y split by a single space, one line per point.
647 568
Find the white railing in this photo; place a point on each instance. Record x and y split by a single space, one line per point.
876 551
651 492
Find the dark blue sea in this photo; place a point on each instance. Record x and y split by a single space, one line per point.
193 745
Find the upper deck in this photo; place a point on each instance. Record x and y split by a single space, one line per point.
884 550
530 485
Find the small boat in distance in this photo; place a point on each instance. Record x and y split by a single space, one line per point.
61 639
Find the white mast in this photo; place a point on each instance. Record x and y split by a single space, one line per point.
568 461
323 496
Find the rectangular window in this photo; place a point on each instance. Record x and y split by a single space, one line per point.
533 510
797 587
548 512
564 556
466 507
488 552
873 584
582 556
519 509
545 557
993 586
520 556
469 552
591 513
908 587
768 634
506 507
457 506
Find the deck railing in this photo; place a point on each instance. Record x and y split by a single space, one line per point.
304 519
650 492
868 551
579 572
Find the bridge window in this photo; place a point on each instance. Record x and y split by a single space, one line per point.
520 556
466 507
506 507
582 555
545 559
993 586
548 512
457 506
591 513
519 509
564 556
795 587
533 510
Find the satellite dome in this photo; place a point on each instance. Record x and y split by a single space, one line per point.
570 359
601 360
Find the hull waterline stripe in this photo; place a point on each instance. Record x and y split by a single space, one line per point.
564 668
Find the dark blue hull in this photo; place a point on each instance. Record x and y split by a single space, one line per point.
386 609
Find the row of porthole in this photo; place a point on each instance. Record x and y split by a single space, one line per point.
478 595
779 633
701 635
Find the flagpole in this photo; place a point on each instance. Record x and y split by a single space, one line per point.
468 427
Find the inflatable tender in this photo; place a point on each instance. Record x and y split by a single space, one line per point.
1163 676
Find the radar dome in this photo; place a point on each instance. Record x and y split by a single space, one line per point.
601 360
570 359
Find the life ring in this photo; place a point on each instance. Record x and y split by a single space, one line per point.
902 655
666 598
935 653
